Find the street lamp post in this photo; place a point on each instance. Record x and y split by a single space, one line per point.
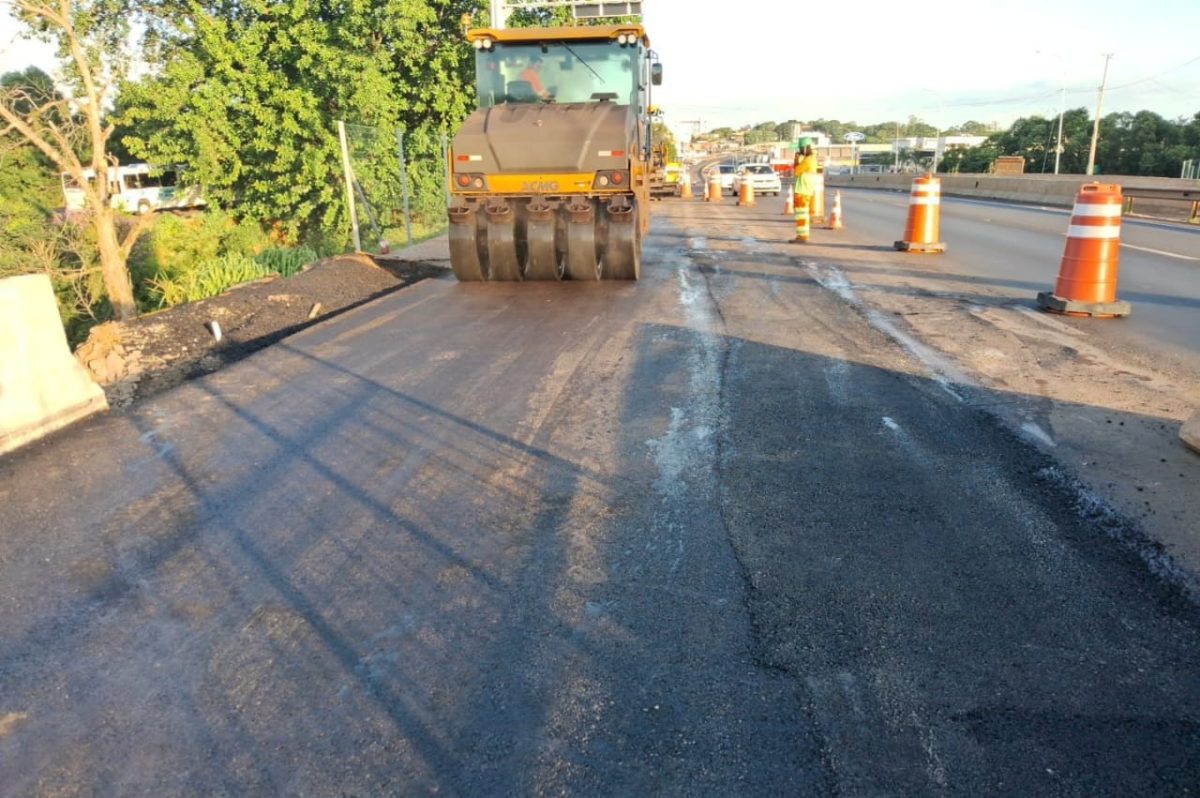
896 147
1062 101
1091 169
937 142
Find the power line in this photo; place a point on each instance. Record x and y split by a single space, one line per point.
1158 75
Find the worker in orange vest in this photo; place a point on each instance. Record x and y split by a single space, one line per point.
533 74
806 187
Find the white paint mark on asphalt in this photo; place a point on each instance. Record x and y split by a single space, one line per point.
890 424
943 371
1161 252
1040 435
161 448
935 769
1045 319
699 243
837 375
945 385
688 295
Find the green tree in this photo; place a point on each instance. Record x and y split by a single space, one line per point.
661 134
918 127
969 128
74 134
250 94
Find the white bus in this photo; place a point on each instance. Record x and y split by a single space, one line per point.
136 188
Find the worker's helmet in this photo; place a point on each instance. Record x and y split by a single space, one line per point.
804 142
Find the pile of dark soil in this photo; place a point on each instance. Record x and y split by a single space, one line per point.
142 357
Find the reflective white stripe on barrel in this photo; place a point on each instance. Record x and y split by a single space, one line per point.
919 200
1108 211
1105 231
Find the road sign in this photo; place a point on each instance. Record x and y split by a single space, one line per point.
854 137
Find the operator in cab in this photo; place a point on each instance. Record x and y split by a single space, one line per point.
533 75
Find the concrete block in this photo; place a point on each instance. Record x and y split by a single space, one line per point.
42 387
1189 433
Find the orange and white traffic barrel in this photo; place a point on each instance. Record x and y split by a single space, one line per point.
685 184
1087 275
835 212
714 187
789 202
924 217
746 192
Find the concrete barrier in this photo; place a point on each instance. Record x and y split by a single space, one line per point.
42 387
1054 190
1190 432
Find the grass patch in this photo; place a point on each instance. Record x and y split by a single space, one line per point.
214 276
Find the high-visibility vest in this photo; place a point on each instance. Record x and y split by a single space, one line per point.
806 174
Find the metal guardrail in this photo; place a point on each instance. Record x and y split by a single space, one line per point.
1191 195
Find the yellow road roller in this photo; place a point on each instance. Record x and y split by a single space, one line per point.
549 176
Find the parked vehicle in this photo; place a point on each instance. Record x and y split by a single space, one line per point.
136 188
761 177
728 172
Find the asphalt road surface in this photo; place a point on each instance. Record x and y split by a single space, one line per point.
1019 247
709 534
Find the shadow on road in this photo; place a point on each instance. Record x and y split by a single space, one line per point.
705 573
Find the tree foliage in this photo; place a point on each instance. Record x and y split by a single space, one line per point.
250 95
72 132
662 134
1130 144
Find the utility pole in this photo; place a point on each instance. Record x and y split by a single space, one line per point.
498 15
1091 169
896 147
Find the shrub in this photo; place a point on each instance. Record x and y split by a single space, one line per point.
286 261
213 277
180 244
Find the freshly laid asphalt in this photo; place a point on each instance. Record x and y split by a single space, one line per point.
711 533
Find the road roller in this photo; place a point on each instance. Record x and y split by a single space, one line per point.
549 175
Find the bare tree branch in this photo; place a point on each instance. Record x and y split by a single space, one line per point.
135 232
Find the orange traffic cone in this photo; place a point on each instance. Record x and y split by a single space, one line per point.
789 202
714 187
1087 275
746 194
835 212
924 212
685 184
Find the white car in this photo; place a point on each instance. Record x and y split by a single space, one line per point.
761 176
727 175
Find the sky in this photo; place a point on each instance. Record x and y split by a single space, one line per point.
945 62
871 61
